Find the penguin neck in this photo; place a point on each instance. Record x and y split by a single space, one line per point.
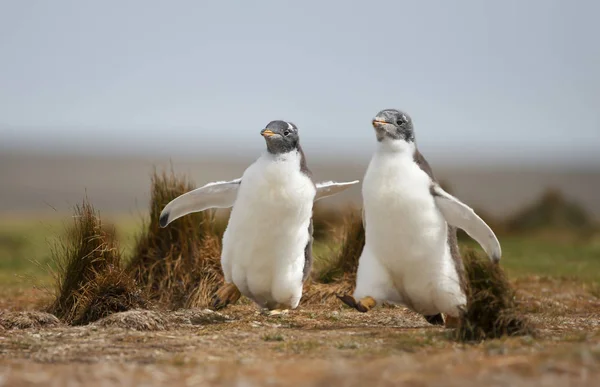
295 155
397 147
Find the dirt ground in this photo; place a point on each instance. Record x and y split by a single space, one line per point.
317 345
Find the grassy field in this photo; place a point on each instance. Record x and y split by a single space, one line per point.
26 245
557 282
26 250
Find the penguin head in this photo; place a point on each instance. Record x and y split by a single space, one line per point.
281 137
393 125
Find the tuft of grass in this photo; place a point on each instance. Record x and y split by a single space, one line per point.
491 310
90 281
344 264
551 211
178 266
491 307
139 320
337 274
28 319
325 221
112 291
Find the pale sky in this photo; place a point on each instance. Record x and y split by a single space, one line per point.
512 79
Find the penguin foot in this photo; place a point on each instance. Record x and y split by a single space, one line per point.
436 319
363 305
276 312
227 294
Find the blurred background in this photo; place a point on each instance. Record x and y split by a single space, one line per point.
95 95
504 95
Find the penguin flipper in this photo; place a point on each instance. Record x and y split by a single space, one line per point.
462 216
220 194
329 188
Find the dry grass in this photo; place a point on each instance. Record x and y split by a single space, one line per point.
491 308
337 274
178 266
111 292
344 264
174 267
90 281
320 343
137 320
326 221
154 320
313 345
26 320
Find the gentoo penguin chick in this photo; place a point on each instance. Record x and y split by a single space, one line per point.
411 254
267 246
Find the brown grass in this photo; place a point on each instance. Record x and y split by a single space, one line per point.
178 266
111 292
174 267
28 319
138 320
343 266
90 281
154 320
338 274
491 308
326 221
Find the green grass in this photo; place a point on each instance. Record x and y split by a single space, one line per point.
25 251
26 246
522 256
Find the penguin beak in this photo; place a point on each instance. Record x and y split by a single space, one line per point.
378 122
267 133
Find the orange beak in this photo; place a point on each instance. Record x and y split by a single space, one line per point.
266 133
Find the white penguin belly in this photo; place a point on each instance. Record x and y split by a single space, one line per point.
406 237
264 243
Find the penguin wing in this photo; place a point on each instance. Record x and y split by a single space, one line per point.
220 194
462 216
329 188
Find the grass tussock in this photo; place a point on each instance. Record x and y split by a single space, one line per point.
178 266
112 291
343 266
551 211
91 283
491 308
337 275
491 313
326 221
25 320
154 320
139 320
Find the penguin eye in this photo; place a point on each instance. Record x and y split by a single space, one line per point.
286 132
399 122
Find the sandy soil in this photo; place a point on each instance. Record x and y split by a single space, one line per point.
316 345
